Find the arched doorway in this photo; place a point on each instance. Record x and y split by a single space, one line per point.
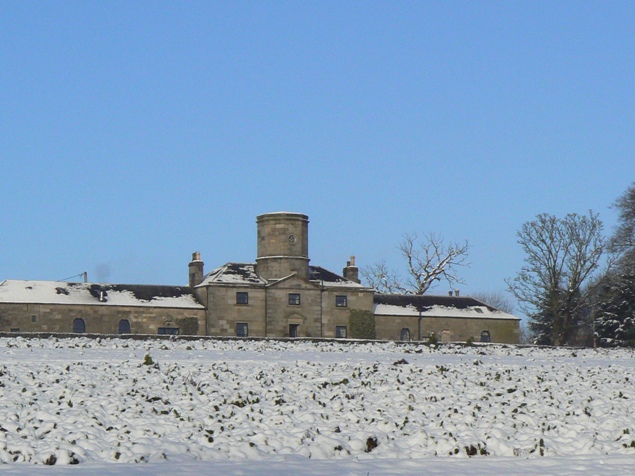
404 335
79 326
124 326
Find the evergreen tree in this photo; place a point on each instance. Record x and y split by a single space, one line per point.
615 313
615 302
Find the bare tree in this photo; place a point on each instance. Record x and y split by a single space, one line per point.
623 240
525 334
379 277
561 256
428 261
497 300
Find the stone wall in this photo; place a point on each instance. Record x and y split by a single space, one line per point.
99 318
317 314
334 316
224 312
306 315
448 329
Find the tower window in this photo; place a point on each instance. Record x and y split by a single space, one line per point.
242 298
294 299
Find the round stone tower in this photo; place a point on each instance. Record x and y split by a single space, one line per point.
283 245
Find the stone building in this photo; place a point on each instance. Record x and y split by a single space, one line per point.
280 295
449 318
52 306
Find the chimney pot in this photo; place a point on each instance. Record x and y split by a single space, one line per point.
195 269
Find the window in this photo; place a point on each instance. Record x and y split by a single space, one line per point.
33 319
15 329
242 298
124 326
341 332
79 326
404 335
485 337
173 331
294 299
242 329
341 301
293 330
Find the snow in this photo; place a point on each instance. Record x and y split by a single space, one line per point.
245 273
233 273
57 292
119 406
473 312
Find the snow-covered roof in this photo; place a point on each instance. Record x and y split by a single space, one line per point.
436 306
328 278
234 273
57 292
245 274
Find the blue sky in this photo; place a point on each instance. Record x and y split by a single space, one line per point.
134 133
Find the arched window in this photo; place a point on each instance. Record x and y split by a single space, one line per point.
485 337
79 326
124 326
404 335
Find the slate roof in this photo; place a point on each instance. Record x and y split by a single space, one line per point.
436 306
57 292
234 273
330 279
245 274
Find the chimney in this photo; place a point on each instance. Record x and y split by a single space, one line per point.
196 269
351 272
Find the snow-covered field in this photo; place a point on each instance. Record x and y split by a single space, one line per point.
116 406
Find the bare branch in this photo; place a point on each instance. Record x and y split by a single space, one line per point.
428 261
561 256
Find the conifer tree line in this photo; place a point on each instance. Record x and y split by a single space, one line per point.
577 285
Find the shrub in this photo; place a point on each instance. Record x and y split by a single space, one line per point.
361 324
188 325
